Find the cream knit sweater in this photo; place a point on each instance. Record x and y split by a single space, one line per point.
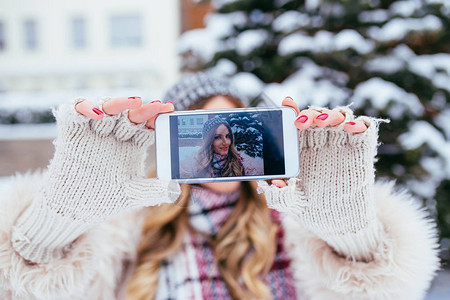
342 243
96 174
333 194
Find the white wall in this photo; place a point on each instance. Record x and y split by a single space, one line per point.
56 66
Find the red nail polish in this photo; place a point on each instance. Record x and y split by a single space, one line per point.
134 98
322 117
156 101
302 119
289 97
97 111
169 102
350 123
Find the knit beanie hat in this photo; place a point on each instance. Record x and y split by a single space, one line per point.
213 123
193 88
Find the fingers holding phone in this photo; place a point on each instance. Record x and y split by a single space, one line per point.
278 183
114 106
310 118
325 118
288 101
164 108
148 112
138 112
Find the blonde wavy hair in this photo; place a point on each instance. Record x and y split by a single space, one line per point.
244 248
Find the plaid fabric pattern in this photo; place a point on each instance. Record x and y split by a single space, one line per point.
192 272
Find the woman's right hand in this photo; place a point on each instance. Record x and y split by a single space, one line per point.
112 143
137 113
96 174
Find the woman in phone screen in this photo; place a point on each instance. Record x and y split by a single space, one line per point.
80 229
218 156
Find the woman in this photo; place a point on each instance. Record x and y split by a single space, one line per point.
217 156
331 233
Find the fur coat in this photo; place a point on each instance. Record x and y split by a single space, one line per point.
98 264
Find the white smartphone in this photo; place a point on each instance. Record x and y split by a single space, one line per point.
227 144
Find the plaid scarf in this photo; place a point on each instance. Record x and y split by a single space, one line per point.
192 272
217 164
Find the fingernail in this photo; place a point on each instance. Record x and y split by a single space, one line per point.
322 117
97 111
156 101
169 102
289 97
302 119
350 123
134 98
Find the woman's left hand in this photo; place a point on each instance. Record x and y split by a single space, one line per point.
326 118
333 193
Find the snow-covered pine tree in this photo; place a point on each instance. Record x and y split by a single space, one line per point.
390 58
248 133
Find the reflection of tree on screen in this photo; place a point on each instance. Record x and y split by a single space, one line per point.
247 129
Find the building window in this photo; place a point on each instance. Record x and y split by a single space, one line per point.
2 36
78 33
126 31
30 29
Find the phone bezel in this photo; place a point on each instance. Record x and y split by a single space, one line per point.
290 143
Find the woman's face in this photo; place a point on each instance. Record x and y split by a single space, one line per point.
222 140
219 102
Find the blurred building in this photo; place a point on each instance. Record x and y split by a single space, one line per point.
77 47
191 124
193 13
51 51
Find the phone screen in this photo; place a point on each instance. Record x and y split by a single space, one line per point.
214 145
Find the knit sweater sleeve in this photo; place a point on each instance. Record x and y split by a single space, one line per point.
93 268
96 174
344 231
403 264
333 194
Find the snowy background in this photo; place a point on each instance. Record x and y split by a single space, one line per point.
187 154
391 59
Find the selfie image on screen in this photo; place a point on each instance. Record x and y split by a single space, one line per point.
226 145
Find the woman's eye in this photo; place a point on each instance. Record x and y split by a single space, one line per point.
217 137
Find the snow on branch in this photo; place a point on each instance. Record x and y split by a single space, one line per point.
396 29
382 94
325 41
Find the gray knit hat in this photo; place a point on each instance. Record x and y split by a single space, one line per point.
196 87
212 123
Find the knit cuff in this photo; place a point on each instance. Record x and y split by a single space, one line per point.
289 199
72 123
317 138
138 134
357 246
42 235
69 120
345 110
